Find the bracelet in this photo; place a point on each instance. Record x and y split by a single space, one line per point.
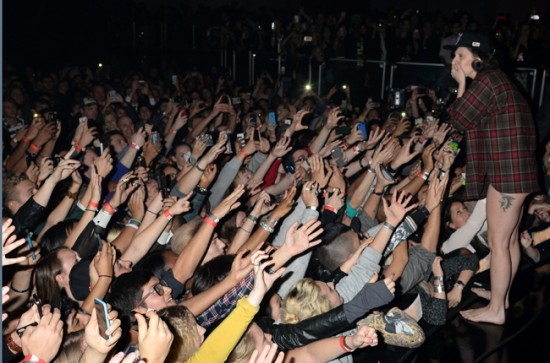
247 231
344 346
424 175
422 140
253 218
69 194
266 228
26 140
135 146
356 149
199 168
109 208
109 276
438 289
153 213
271 220
389 226
371 170
93 204
91 210
173 131
131 226
167 214
244 153
202 190
20 291
312 207
330 208
14 347
460 283
378 193
438 278
210 221
135 221
33 358
35 148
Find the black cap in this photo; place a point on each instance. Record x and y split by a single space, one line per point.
79 279
474 39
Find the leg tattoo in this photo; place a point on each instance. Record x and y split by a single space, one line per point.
506 201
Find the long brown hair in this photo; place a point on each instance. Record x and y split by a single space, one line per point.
44 276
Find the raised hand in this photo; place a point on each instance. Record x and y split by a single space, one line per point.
104 163
93 338
123 189
364 337
154 337
9 244
44 339
64 169
282 147
318 171
229 203
286 204
181 206
298 240
396 211
262 280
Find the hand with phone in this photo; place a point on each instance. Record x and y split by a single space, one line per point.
44 339
154 337
101 341
10 243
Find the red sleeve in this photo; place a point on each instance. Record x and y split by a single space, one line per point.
271 174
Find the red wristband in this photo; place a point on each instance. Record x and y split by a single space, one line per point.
210 221
34 148
135 146
330 208
26 140
93 204
244 153
343 345
33 358
77 146
167 214
39 181
109 208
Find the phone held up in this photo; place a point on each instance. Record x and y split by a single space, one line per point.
102 313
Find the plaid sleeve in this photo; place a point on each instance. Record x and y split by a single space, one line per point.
467 111
226 303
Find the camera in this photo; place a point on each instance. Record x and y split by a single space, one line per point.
52 117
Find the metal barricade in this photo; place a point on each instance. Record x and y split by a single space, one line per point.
432 75
544 87
527 79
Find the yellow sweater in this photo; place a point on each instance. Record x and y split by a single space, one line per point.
220 343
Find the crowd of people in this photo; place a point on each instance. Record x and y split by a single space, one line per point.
180 216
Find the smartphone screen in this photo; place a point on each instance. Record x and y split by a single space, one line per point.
362 126
102 317
338 156
272 117
257 136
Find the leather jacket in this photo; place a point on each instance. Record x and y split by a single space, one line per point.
290 336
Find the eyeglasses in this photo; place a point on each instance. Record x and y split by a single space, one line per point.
158 289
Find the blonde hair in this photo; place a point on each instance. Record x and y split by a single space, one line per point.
303 301
183 326
182 236
243 350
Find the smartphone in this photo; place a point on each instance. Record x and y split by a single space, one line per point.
224 99
29 243
155 137
101 148
82 119
174 79
362 126
296 18
272 118
228 141
272 25
102 317
283 69
288 121
257 136
36 301
338 156
207 138
236 100
163 185
289 167
342 130
112 95
308 38
141 83
253 118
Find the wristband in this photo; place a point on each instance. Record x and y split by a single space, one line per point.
77 146
253 218
422 140
135 146
109 208
378 193
356 149
460 283
344 346
199 168
93 204
389 226
26 140
173 131
108 276
244 153
438 289
167 214
266 228
312 207
271 220
33 358
35 148
39 181
424 175
12 344
210 221
330 208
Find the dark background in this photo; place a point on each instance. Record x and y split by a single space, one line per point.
50 33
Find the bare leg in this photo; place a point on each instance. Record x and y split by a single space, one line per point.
503 215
